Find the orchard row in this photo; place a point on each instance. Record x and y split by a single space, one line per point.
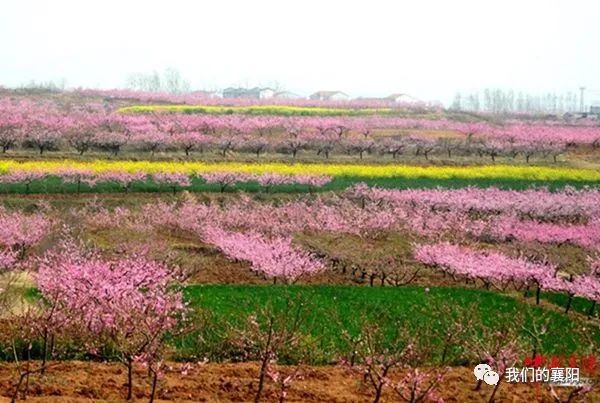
128 306
44 127
263 233
175 181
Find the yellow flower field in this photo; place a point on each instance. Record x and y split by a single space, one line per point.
277 110
511 172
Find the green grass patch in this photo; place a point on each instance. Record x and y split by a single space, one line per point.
331 310
55 185
579 305
221 313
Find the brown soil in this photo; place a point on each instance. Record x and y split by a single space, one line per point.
77 381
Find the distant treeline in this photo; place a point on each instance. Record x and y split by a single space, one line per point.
509 101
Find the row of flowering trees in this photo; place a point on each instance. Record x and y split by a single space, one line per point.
173 180
122 308
95 117
275 257
529 203
496 269
265 225
324 145
201 98
563 217
125 307
47 127
350 214
19 233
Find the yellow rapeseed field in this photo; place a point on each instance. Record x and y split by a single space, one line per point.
277 110
337 170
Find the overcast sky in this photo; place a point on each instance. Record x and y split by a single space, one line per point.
429 49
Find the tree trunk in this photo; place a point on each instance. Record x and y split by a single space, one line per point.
444 353
591 311
28 371
154 381
265 362
44 351
378 391
569 301
494 391
129 379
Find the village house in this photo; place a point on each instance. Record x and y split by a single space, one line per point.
402 99
286 95
329 96
255 93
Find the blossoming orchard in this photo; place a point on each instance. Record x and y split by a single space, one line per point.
163 244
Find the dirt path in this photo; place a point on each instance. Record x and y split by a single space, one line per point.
77 381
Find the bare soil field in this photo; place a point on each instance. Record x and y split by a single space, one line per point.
77 381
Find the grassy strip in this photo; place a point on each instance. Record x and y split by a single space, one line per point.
54 185
259 110
331 310
334 309
580 305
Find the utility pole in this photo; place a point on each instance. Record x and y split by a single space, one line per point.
581 89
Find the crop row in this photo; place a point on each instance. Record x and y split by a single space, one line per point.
268 110
317 145
262 235
172 180
38 123
365 171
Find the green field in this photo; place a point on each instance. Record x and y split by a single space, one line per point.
54 185
330 310
327 311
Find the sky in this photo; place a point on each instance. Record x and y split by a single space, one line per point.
428 49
